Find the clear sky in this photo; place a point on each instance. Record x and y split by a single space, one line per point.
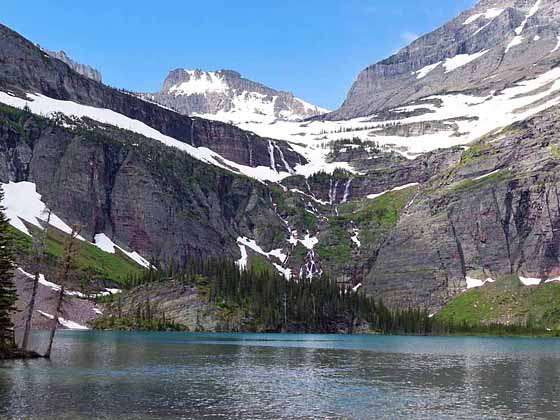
314 48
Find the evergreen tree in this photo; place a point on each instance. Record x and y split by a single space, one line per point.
8 295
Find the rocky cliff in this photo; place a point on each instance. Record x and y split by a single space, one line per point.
493 213
144 196
485 49
26 69
410 204
80 68
225 95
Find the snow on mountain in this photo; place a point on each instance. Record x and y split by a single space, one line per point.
491 66
23 203
466 117
43 105
226 96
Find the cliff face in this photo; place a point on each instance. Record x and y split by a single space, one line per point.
226 95
26 69
496 212
80 68
412 231
484 49
145 196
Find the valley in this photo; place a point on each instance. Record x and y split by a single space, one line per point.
437 175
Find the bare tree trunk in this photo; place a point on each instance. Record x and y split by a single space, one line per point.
69 252
40 249
30 309
54 324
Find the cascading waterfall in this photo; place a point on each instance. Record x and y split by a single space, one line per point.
310 269
332 191
250 147
286 164
347 190
271 153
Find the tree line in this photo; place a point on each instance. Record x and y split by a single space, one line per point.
263 300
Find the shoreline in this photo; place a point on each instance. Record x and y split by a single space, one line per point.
19 354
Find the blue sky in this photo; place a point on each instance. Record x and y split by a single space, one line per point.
314 48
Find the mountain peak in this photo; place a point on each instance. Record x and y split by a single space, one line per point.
228 96
82 69
516 38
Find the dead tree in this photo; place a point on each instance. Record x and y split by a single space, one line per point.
69 255
39 246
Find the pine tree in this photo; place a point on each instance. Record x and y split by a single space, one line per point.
8 295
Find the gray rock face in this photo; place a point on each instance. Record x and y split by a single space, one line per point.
225 91
179 302
487 48
82 69
495 212
144 196
25 68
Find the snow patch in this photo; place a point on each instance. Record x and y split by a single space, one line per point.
423 72
22 202
529 281
489 14
356 237
402 187
43 105
71 325
486 175
200 83
532 11
473 283
557 47
517 40
309 241
103 242
461 60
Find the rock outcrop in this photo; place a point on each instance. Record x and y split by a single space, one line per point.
227 96
24 68
80 68
487 48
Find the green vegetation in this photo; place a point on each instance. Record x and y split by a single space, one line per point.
90 262
383 210
335 246
474 152
555 151
260 264
476 184
265 301
506 302
146 318
8 294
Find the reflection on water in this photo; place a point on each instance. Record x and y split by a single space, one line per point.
154 375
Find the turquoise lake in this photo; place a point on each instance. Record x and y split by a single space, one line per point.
273 376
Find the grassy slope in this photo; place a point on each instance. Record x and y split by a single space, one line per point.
506 302
91 262
373 217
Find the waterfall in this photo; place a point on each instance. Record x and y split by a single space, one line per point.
347 191
332 192
250 147
286 164
271 153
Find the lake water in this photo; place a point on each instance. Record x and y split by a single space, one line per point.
179 375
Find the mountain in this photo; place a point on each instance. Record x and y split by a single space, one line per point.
82 69
225 95
483 51
415 198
